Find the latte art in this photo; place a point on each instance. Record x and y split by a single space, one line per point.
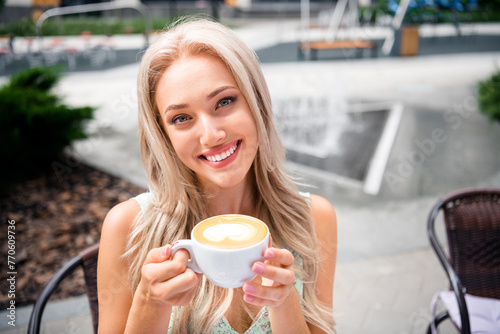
230 231
224 247
241 231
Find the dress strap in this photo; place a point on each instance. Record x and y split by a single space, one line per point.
144 200
306 195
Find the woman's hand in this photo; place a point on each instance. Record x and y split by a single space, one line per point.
165 281
278 267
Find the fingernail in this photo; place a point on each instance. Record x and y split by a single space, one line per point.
249 298
269 254
163 252
258 268
249 288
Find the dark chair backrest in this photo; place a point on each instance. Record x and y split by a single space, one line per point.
87 259
472 220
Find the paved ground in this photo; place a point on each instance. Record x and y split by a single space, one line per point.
387 273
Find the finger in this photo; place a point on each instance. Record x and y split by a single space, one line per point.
157 255
180 289
182 282
281 256
265 296
277 274
177 265
185 281
263 292
259 301
155 272
182 256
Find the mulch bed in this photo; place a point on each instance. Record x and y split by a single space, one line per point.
56 216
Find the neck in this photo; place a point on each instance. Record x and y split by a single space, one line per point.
236 200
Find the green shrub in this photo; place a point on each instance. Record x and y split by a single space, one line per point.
35 126
73 26
19 28
489 96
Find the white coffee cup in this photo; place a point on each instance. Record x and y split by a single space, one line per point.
224 247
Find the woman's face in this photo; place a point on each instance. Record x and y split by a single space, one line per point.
208 120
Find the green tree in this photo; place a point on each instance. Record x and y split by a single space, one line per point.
35 126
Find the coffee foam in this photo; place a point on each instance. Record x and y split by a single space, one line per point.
230 231
235 232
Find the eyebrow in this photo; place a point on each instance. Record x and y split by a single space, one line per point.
217 91
209 96
176 107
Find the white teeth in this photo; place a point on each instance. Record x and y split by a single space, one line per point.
223 155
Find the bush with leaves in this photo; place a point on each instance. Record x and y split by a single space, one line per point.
73 26
489 96
35 126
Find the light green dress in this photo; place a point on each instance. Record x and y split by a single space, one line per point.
262 325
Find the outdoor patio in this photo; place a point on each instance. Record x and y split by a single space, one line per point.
362 134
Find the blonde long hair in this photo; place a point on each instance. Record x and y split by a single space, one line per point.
177 202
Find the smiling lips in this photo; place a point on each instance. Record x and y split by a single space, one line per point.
223 155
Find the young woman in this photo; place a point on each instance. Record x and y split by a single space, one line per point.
210 147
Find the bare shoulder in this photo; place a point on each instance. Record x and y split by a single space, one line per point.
325 220
323 213
115 295
121 217
115 230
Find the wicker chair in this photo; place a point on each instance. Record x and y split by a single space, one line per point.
87 259
472 221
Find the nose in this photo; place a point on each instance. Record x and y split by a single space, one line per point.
212 132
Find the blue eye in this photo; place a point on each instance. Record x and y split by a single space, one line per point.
225 102
180 119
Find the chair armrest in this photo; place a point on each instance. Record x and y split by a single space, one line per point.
89 253
36 313
455 282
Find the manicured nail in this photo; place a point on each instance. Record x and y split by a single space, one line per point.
163 251
258 268
249 298
249 288
269 254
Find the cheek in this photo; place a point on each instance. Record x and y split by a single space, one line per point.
251 128
184 156
180 144
247 121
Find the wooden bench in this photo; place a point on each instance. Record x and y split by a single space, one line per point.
314 47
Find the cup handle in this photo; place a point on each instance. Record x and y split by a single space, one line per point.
187 245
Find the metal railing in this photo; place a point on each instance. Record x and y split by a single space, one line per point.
97 7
